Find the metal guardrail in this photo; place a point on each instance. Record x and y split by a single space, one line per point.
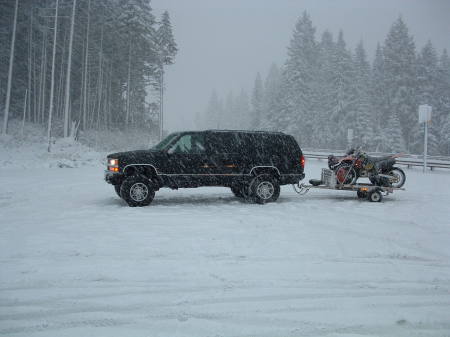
406 160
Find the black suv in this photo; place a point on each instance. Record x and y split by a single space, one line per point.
252 163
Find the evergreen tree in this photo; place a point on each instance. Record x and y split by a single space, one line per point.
324 134
401 77
165 40
229 111
343 116
270 97
444 144
257 103
393 139
242 114
427 81
379 97
363 132
213 113
115 61
298 82
441 110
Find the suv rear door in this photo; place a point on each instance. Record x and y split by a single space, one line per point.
225 153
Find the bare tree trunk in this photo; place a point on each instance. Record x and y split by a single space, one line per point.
52 88
109 96
161 104
86 62
11 61
34 87
69 66
42 74
100 79
24 110
128 84
30 42
44 83
60 100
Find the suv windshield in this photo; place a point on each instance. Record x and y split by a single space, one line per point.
164 144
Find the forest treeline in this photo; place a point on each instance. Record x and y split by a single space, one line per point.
324 88
108 65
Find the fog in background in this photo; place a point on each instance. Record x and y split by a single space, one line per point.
223 44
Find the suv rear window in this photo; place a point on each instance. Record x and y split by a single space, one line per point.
225 142
260 143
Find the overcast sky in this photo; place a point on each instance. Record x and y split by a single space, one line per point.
223 44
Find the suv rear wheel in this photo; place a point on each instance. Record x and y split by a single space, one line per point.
264 188
137 191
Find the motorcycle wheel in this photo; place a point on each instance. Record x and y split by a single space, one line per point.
345 174
399 176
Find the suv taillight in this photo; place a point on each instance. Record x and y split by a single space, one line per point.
302 161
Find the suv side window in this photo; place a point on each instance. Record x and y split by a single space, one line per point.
189 144
225 143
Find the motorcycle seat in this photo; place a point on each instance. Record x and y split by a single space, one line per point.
378 159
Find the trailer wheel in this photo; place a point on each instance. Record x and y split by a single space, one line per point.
375 196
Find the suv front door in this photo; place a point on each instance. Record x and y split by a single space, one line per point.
186 158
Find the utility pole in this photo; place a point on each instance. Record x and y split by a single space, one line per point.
11 61
52 89
69 66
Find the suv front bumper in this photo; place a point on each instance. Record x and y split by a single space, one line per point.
113 178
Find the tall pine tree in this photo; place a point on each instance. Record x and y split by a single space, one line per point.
257 103
401 78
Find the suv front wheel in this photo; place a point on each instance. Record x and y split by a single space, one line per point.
137 191
117 189
264 188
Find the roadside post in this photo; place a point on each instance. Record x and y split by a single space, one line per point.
425 117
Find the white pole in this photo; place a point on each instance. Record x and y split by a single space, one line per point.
11 61
425 148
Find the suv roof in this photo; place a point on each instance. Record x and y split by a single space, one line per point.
242 131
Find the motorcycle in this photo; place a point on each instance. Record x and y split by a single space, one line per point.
357 164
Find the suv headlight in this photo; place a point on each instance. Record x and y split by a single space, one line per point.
113 162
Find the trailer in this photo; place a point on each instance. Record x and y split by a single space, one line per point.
328 181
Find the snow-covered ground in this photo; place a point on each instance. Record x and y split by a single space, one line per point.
76 261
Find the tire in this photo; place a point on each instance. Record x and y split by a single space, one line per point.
341 174
375 196
137 191
400 175
361 194
264 188
117 189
